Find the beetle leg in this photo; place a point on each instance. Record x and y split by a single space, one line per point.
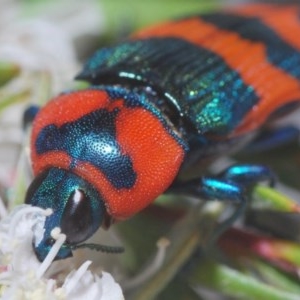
221 189
227 184
249 175
271 138
230 185
29 115
216 188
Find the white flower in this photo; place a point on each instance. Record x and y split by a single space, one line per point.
22 276
39 38
45 42
42 45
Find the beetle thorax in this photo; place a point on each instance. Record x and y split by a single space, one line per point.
114 141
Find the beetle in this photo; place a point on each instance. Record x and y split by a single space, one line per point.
164 103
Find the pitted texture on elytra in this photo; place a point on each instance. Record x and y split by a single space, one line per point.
206 90
92 139
279 53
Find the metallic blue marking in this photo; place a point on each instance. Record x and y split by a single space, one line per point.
91 138
279 53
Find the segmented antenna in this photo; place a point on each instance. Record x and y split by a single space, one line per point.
99 247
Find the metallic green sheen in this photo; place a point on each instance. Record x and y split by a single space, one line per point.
197 82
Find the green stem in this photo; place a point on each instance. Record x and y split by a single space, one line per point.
11 99
235 284
185 238
8 71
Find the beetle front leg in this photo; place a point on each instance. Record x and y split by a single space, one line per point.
230 185
29 115
220 189
213 188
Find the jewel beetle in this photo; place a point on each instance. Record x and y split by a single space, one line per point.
166 102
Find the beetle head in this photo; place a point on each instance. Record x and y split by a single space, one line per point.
78 210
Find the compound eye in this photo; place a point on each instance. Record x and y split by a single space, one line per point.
77 218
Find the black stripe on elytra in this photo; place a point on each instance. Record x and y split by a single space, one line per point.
205 90
92 139
279 52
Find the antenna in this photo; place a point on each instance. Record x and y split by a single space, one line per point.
99 247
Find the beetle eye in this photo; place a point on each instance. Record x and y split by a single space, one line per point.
77 218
